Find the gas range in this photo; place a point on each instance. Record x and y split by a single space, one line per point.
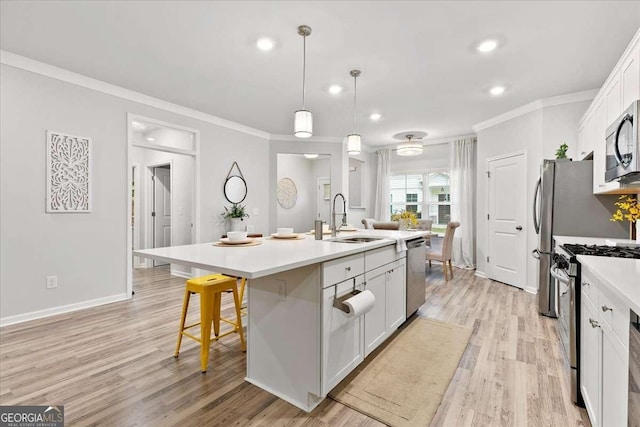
601 250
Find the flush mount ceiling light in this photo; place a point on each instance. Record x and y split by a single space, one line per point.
354 143
303 119
497 90
311 156
487 46
265 44
375 116
335 89
409 148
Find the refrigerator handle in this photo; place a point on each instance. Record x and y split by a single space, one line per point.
536 224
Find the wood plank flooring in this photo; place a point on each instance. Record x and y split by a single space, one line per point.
114 365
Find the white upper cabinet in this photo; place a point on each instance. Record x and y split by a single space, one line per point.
621 88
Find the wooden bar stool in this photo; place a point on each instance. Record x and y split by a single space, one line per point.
210 289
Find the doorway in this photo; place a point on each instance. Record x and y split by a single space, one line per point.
164 186
506 216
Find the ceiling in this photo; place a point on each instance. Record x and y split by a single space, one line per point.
420 69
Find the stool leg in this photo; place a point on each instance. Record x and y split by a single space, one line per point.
217 300
206 305
185 307
237 302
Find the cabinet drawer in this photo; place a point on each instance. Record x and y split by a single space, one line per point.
614 312
378 257
342 269
589 285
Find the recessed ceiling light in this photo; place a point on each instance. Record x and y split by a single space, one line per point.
335 89
375 116
150 139
487 46
265 44
497 90
311 156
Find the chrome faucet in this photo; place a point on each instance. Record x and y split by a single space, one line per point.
334 231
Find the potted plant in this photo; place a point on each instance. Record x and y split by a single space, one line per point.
628 209
236 215
561 152
406 219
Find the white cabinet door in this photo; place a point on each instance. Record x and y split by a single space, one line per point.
590 360
586 135
613 100
396 296
615 365
375 321
341 336
630 76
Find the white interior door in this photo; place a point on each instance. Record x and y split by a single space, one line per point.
507 214
323 204
161 209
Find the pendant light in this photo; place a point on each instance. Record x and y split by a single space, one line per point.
354 144
303 119
409 148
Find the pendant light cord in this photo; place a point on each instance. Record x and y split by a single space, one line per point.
355 92
304 67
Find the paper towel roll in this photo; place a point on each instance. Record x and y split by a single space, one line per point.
360 303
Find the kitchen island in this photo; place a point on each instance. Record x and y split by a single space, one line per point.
299 346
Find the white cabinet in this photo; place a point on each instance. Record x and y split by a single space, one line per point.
604 353
342 350
389 287
586 137
630 78
613 99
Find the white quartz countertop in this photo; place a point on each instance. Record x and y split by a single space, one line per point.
622 275
274 255
577 240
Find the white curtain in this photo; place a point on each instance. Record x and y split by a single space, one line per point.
462 182
383 186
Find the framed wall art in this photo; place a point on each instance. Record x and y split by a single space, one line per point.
68 173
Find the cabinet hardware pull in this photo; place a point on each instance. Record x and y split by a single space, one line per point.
348 268
605 308
586 284
594 324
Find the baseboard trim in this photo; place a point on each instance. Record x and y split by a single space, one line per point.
20 318
481 274
531 290
180 273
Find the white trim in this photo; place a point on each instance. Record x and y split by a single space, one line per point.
293 138
183 274
585 95
24 63
20 318
481 274
530 290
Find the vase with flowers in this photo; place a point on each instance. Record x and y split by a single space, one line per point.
235 215
406 219
628 210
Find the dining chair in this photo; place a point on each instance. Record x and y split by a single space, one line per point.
444 256
425 224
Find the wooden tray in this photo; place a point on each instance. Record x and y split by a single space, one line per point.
238 245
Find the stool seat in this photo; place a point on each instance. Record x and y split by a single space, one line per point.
210 288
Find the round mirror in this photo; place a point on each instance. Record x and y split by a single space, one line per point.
235 189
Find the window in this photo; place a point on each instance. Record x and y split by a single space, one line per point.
426 194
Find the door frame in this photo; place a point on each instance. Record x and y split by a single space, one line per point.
195 194
137 181
150 225
489 265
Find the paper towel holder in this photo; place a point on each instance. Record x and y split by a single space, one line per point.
338 302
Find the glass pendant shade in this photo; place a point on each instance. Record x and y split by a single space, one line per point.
354 145
409 148
303 124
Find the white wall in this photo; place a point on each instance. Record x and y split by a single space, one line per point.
298 169
432 157
368 191
538 133
87 252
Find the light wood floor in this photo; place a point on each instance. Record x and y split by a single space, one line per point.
114 365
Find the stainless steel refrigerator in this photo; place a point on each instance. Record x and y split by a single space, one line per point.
564 205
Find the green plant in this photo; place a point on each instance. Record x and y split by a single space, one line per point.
561 152
235 211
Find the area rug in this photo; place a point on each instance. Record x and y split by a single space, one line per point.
403 383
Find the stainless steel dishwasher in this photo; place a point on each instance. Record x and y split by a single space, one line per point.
416 289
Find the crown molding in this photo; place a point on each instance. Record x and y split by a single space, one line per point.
569 98
18 61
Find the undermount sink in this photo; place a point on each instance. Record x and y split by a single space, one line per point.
362 239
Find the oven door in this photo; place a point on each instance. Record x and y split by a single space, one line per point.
563 281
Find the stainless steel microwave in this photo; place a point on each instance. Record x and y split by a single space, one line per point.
623 153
